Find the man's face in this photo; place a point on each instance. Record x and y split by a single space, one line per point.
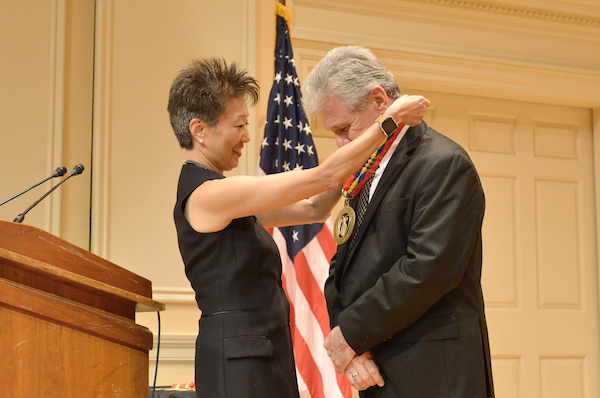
344 124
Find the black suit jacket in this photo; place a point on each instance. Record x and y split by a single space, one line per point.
410 289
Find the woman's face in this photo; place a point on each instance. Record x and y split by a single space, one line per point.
223 143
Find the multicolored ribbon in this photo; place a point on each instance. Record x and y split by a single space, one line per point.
356 181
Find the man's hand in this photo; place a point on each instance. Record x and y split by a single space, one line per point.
338 349
408 109
363 372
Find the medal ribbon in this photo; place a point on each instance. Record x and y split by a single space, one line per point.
356 181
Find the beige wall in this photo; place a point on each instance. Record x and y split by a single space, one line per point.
53 53
141 46
46 82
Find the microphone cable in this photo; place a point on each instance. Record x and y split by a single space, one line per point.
157 355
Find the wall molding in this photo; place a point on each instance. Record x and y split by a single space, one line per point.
512 9
248 165
174 347
174 295
101 127
56 109
596 144
440 69
574 21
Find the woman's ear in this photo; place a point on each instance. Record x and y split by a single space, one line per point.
197 130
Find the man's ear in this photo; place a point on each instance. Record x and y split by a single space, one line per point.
380 97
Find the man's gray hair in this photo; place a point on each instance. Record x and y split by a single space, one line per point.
349 73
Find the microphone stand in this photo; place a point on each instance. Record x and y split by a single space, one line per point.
76 170
57 173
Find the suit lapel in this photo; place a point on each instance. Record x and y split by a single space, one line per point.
399 160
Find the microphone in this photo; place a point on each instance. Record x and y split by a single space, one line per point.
78 169
59 172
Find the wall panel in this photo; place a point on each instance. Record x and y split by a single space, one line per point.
46 99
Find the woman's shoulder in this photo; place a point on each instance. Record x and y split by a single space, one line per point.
197 172
192 176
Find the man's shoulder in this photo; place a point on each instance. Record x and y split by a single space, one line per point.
440 144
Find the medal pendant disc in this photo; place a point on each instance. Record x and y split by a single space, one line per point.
343 225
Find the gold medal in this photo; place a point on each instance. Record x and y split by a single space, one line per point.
344 224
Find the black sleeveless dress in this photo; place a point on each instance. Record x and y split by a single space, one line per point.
244 346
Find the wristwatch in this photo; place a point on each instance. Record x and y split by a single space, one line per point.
387 124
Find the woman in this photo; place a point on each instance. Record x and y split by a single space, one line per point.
244 347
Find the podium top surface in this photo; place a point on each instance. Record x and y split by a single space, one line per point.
42 252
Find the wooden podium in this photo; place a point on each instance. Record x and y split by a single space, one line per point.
67 320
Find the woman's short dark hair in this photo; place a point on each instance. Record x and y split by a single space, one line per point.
201 91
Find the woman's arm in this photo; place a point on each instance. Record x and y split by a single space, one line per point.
213 205
314 209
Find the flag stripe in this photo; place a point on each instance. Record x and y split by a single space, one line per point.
309 329
318 261
326 242
307 368
312 291
328 246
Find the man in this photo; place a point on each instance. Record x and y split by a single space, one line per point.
404 292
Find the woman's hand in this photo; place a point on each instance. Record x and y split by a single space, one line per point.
408 109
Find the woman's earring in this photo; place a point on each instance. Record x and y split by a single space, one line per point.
201 140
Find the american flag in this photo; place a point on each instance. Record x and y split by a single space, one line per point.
305 249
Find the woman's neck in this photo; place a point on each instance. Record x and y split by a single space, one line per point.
194 156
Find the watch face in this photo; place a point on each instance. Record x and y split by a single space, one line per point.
389 126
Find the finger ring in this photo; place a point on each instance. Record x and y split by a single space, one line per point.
354 376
